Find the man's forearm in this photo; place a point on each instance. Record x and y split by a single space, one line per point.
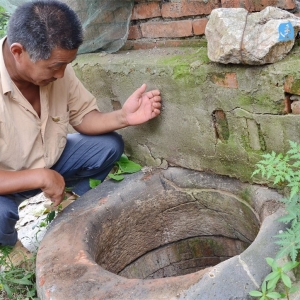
96 122
20 181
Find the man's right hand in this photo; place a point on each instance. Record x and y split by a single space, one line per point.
54 186
49 181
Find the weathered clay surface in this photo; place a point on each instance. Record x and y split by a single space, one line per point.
101 233
235 36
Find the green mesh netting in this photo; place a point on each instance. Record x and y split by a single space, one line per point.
105 22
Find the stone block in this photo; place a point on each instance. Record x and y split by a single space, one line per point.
253 6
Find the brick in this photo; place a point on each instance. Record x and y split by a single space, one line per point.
292 85
134 32
227 80
167 29
199 26
146 11
188 8
253 6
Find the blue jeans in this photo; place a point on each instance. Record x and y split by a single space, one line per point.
84 157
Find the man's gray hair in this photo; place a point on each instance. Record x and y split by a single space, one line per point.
43 25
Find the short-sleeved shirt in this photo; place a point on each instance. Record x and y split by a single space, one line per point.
28 141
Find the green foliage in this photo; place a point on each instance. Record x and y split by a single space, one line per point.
283 170
17 282
124 166
94 182
4 16
278 274
265 293
50 217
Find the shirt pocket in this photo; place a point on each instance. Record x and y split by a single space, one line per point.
56 137
60 128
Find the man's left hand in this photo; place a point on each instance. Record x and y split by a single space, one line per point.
142 106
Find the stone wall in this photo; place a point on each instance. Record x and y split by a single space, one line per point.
218 118
163 23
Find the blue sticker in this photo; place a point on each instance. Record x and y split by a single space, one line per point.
286 32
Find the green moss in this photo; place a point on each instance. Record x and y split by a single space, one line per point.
205 247
295 88
236 168
245 100
221 125
181 71
220 76
188 67
182 247
245 194
261 100
186 58
262 141
246 142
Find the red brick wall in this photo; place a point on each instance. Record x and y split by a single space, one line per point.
157 23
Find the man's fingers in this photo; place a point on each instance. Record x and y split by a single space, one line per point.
55 200
139 92
156 104
155 95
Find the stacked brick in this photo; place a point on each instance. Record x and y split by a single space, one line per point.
157 23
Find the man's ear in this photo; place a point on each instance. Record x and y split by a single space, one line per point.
17 50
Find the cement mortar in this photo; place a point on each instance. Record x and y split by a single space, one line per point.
251 99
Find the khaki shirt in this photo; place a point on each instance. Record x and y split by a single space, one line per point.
28 141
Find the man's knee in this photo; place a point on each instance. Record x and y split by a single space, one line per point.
117 145
8 233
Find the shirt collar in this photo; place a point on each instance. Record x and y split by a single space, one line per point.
5 79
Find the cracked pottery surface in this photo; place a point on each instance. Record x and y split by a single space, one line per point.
107 228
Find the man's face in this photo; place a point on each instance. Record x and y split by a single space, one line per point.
43 72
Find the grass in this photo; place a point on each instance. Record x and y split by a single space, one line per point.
16 282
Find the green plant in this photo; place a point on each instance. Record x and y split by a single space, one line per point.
265 293
123 166
16 282
278 274
283 170
4 16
